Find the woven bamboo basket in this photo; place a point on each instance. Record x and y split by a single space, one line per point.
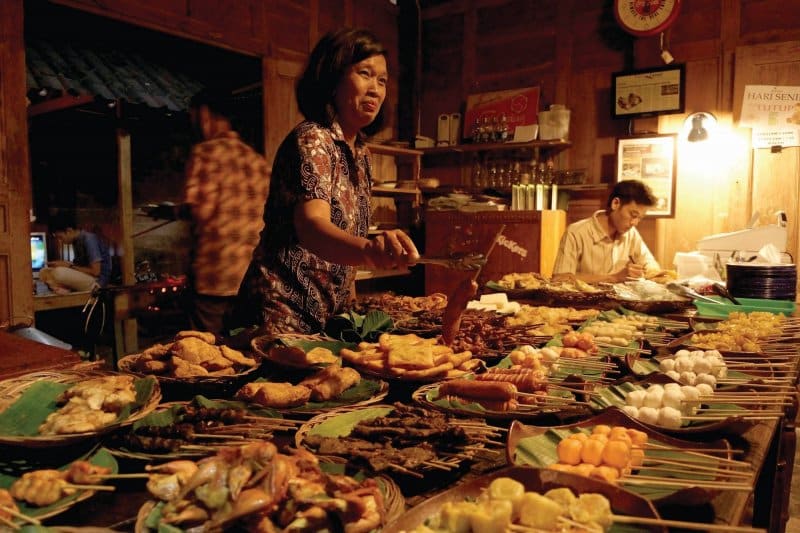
12 389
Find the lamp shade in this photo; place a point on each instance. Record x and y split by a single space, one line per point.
699 126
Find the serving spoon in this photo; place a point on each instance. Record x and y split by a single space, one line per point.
723 291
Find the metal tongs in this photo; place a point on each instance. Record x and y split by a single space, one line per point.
473 261
686 292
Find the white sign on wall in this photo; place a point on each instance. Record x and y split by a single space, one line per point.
773 112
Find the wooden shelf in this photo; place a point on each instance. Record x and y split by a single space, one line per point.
554 145
390 149
47 302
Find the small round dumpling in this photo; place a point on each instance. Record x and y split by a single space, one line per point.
636 397
704 389
631 411
702 366
698 353
682 352
673 398
671 386
674 374
669 417
691 400
688 378
654 396
707 379
684 363
666 365
648 415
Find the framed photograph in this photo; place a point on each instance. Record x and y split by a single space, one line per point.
652 160
650 92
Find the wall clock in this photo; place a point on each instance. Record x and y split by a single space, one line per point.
646 17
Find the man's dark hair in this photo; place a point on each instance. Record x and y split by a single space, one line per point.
631 191
328 62
61 221
218 99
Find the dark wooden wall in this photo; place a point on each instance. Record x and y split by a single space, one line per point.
570 48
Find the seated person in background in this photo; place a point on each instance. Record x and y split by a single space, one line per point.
606 247
91 264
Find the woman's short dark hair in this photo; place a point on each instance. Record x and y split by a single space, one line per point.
328 62
631 191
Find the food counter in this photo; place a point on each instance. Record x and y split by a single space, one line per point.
767 444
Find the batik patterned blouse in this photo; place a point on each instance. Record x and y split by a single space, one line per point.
288 288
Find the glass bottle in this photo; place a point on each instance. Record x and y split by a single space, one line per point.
501 135
475 132
486 130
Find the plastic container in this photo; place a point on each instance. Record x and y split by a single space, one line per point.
554 124
725 307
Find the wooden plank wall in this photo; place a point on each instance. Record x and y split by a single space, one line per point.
570 47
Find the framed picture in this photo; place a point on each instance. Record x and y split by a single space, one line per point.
652 160
650 92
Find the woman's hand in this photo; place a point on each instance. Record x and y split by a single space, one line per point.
391 249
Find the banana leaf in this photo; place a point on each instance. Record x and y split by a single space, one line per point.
173 415
39 400
364 390
353 328
540 451
342 425
9 473
614 395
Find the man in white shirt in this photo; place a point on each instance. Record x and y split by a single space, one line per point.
606 247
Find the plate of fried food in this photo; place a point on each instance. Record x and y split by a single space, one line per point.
298 350
316 392
410 358
61 408
531 499
32 489
196 428
193 359
260 490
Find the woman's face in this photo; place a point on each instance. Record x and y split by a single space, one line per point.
360 94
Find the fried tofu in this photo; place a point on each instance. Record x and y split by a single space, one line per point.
181 368
194 350
275 395
157 351
236 356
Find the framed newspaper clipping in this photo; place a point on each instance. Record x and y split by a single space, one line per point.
652 160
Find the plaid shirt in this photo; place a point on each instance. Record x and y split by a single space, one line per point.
226 186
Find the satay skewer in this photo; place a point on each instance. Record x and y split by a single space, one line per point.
11 524
16 514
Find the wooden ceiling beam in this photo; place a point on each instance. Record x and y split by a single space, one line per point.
56 104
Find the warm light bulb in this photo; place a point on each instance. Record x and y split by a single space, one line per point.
699 126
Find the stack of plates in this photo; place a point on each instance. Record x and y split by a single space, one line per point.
771 282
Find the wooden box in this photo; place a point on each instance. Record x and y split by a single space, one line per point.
529 243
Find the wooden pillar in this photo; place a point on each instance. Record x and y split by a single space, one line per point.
125 330
16 280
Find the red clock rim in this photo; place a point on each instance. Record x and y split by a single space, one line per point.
652 31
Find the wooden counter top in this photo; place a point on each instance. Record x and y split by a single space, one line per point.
19 355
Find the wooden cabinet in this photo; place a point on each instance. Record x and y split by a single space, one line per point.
528 244
398 166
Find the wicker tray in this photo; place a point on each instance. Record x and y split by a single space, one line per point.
476 429
202 448
541 451
652 307
185 388
99 457
12 389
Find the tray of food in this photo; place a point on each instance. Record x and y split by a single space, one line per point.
410 358
617 449
61 408
35 488
289 491
192 363
196 428
531 499
684 410
298 350
313 393
398 440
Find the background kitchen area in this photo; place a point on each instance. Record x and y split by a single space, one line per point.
71 138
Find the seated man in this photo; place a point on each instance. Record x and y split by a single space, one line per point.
606 247
91 264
